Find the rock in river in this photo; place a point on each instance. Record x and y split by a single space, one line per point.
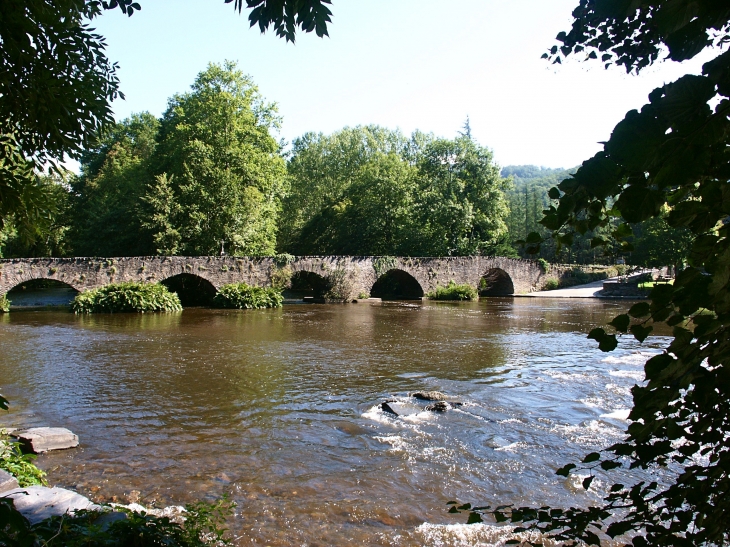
429 395
440 406
43 439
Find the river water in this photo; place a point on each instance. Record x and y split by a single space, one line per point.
279 409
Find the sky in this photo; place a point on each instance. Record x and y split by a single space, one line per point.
406 64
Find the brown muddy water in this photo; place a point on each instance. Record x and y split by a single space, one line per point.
279 409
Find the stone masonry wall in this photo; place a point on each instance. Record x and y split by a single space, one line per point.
360 272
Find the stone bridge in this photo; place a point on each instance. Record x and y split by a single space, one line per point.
351 275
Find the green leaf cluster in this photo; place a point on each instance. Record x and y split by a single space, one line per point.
127 297
666 165
244 296
57 85
19 465
454 292
287 15
4 304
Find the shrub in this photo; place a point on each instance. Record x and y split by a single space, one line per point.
281 277
544 265
550 284
19 465
127 297
244 296
363 295
454 292
4 304
340 288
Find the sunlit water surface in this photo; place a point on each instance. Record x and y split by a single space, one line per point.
279 409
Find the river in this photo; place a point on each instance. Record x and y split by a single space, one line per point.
279 409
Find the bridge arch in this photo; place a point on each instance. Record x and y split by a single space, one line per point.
41 291
306 283
496 282
192 289
397 284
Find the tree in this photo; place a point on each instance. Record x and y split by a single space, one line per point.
55 88
219 161
657 244
322 169
672 153
462 206
108 211
369 190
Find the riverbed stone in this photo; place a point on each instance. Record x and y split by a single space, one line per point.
439 406
44 439
399 408
7 481
37 503
429 395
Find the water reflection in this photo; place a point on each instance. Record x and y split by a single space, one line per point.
279 408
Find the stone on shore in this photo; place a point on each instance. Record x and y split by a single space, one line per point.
37 503
7 481
44 439
429 395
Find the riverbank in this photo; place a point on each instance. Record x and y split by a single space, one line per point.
589 290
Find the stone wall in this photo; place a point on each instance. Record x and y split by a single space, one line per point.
359 272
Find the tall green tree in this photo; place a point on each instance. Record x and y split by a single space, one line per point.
29 235
222 166
373 215
108 210
369 190
322 168
462 206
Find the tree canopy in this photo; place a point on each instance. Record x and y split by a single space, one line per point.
372 191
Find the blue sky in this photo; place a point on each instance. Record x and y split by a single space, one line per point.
408 64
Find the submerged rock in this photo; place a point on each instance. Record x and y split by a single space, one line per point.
440 406
398 408
429 395
385 407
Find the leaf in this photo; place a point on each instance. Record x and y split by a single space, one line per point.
621 322
642 309
609 464
587 482
640 332
592 457
565 470
534 237
554 193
